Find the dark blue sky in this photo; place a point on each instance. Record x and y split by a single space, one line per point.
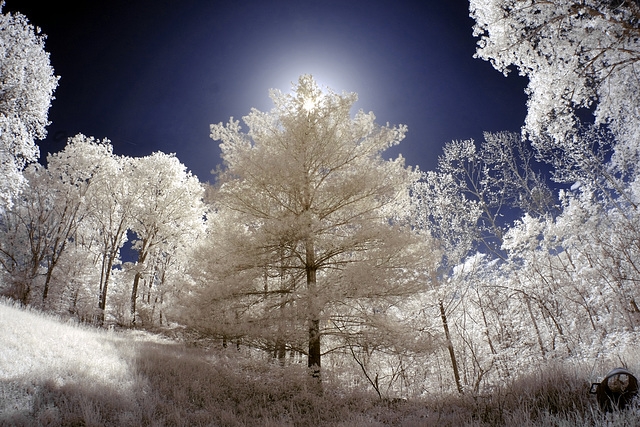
153 74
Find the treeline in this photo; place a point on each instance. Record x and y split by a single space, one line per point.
312 244
61 240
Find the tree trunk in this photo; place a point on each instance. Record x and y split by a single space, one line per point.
314 315
142 256
55 256
314 347
45 291
102 302
134 297
160 308
535 327
454 363
281 347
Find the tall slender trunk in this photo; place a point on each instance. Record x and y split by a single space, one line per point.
452 355
134 296
45 291
314 314
102 303
60 244
486 326
280 346
535 327
55 256
103 266
112 245
142 256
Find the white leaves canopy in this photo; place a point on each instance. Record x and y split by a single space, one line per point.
307 188
26 89
169 206
577 55
322 175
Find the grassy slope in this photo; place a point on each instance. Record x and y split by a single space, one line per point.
38 351
56 373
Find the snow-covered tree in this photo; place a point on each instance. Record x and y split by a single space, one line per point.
111 207
313 199
27 83
168 210
25 236
75 215
514 174
578 55
463 204
47 214
579 271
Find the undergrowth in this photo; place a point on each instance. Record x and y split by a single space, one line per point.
96 378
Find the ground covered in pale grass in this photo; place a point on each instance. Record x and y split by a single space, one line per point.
59 373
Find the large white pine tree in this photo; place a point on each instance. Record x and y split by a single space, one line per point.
313 199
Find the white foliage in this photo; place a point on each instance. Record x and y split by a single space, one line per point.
576 54
524 236
26 89
169 204
312 219
167 216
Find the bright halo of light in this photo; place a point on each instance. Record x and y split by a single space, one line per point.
330 67
309 104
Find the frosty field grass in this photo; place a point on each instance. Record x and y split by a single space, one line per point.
58 373
36 350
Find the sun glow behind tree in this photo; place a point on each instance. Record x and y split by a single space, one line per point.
314 218
331 65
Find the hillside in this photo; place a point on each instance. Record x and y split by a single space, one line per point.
59 373
39 352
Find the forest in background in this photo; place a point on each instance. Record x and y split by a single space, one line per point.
518 251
